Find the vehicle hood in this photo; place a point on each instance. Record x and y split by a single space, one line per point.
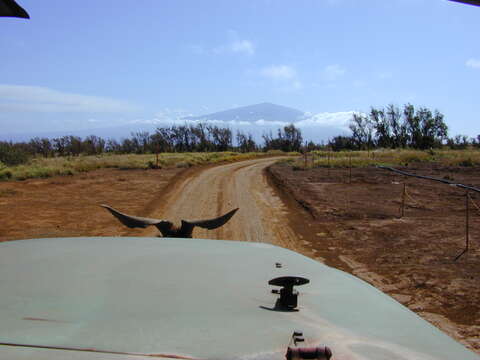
117 297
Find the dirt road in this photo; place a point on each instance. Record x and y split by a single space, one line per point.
262 216
69 206
411 263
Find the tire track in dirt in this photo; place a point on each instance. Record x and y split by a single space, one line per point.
262 217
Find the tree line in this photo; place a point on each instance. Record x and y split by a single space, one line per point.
389 127
393 127
175 138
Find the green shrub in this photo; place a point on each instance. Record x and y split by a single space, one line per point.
467 162
5 174
153 165
12 156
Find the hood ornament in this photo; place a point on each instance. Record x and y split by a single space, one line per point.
288 296
167 228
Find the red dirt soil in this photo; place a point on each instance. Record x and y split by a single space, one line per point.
69 206
356 227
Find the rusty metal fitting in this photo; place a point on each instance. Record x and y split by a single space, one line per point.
318 352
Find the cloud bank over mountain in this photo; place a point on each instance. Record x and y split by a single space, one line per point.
252 113
258 119
267 117
267 114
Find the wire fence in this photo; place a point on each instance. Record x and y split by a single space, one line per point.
348 161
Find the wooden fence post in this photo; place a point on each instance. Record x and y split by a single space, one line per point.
403 200
328 164
467 225
350 170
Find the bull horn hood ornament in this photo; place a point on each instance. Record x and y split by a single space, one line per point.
167 228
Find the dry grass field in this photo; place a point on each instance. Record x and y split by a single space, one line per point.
69 165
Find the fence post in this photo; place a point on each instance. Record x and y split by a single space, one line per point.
467 220
467 225
350 170
402 212
328 164
305 157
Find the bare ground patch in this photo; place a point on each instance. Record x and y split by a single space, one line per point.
356 228
66 206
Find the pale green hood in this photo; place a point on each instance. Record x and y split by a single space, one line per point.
195 298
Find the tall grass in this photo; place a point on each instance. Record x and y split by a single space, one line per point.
389 157
42 168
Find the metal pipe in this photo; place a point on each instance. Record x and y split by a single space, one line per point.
448 182
467 225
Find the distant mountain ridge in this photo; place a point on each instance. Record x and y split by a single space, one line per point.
255 119
264 111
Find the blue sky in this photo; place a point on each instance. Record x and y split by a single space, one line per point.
88 64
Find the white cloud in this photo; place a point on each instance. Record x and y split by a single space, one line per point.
284 76
473 63
172 114
181 121
296 85
262 122
279 72
236 46
335 120
333 72
17 98
169 116
339 120
242 46
384 75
